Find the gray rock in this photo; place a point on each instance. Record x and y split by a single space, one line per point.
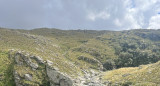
17 79
26 59
124 75
38 59
18 59
28 77
49 63
56 77
34 65
21 58
63 83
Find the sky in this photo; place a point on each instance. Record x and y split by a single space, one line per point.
80 14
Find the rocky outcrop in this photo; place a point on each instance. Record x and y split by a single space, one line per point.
55 77
50 73
22 59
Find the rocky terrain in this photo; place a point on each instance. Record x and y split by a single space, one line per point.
37 72
52 57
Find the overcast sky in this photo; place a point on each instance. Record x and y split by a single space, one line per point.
80 14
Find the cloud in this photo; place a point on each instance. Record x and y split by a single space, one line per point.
154 22
102 15
139 12
117 22
79 14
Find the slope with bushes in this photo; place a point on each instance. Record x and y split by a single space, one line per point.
84 54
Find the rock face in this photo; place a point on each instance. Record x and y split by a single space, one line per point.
54 77
57 79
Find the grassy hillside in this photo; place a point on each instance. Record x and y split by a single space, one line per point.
73 51
144 75
6 70
48 48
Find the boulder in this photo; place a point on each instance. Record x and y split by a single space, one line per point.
57 78
38 59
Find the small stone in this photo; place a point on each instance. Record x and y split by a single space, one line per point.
56 68
34 65
106 82
140 67
28 77
124 75
50 63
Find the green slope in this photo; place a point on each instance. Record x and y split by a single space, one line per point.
144 75
6 70
74 51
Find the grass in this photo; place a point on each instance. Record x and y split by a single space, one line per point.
6 70
50 45
47 48
63 47
144 75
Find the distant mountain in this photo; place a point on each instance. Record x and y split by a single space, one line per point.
53 57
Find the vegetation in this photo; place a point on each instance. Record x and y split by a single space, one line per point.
6 70
144 75
131 49
73 51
